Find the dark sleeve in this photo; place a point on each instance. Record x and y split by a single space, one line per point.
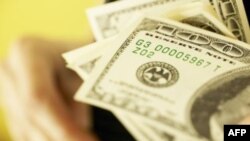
247 9
107 1
108 128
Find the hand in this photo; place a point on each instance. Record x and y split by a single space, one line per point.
38 94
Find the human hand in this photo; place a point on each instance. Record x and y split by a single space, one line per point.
38 94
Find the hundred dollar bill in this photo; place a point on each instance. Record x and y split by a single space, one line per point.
86 65
140 130
226 100
187 13
134 126
232 13
199 14
162 56
83 59
109 19
85 69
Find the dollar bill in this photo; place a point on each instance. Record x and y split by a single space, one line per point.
192 15
142 87
140 130
190 20
232 13
83 65
83 54
108 20
83 59
86 65
187 13
199 14
229 92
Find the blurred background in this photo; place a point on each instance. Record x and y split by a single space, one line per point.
56 19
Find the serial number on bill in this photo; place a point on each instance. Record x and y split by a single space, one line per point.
146 49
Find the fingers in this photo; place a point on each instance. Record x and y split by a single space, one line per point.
69 82
36 78
20 125
7 91
82 115
30 68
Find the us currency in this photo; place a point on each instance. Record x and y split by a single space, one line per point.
211 112
139 95
190 13
199 14
83 59
134 126
79 61
187 15
85 68
232 13
108 20
141 131
236 98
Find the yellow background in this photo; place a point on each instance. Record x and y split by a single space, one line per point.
59 19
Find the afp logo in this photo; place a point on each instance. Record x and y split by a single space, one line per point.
236 132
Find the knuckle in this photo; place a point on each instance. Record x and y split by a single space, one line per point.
25 45
22 50
40 95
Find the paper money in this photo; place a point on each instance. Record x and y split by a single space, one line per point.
141 131
158 76
84 66
108 20
232 13
172 112
85 69
199 14
83 59
83 56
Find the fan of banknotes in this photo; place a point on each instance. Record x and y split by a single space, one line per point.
170 70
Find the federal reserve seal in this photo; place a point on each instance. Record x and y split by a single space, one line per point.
157 74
